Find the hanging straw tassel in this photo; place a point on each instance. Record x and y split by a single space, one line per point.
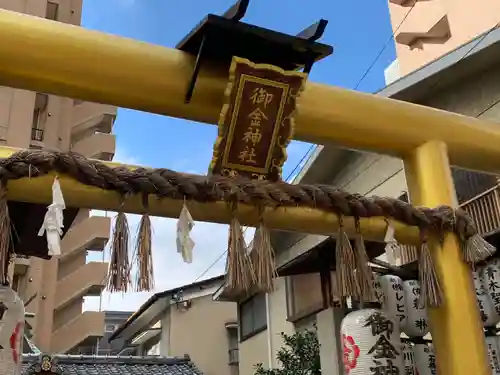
6 244
431 294
240 275
263 256
144 252
364 274
345 265
476 249
119 265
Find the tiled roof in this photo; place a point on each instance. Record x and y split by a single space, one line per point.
107 365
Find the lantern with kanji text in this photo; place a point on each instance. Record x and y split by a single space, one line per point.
416 324
371 343
394 298
11 331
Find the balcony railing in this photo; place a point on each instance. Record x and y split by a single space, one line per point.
234 358
484 210
37 134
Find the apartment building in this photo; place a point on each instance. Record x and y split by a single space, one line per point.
185 321
34 120
303 294
426 30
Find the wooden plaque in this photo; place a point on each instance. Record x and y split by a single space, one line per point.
257 121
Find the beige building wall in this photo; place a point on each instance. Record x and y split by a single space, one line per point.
200 327
200 331
262 347
39 121
433 28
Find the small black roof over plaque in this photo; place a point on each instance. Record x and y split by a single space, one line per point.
219 38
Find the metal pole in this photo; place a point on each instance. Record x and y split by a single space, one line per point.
456 326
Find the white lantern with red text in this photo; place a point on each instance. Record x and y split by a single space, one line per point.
425 359
416 324
490 276
11 331
492 347
394 299
371 343
409 361
487 312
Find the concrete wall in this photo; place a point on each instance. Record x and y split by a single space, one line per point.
199 330
465 20
256 349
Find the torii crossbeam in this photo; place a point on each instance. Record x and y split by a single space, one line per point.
137 75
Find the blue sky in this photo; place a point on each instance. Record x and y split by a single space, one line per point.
357 31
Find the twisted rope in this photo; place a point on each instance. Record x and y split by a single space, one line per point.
165 183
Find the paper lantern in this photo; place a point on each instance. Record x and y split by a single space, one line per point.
371 343
490 277
489 317
11 331
408 360
425 359
492 346
377 291
416 324
394 304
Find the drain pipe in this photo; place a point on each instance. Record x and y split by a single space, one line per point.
270 353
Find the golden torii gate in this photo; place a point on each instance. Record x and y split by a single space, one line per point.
41 55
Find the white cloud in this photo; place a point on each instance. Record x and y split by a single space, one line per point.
170 271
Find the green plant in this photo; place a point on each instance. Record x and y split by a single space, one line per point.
298 356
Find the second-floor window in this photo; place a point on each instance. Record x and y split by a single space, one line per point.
304 295
252 316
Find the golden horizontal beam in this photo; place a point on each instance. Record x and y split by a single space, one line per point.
66 60
298 219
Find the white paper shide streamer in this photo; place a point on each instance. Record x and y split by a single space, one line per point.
185 243
409 361
492 347
490 277
487 312
53 222
371 343
11 331
416 325
394 305
425 359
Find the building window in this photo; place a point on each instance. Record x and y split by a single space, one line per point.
39 117
109 328
304 295
52 11
252 316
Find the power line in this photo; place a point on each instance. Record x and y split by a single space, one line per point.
308 152
391 38
357 85
225 251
